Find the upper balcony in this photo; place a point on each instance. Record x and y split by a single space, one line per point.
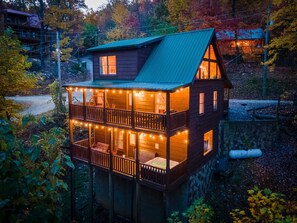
138 110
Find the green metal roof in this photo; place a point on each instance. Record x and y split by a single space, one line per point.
172 64
129 43
176 58
128 85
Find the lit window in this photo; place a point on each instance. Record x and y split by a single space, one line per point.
201 103
215 100
213 70
108 65
207 142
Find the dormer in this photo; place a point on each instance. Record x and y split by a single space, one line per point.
122 60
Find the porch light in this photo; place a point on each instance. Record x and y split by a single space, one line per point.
186 141
90 124
152 95
81 90
106 90
102 127
113 91
122 131
96 91
85 89
86 125
80 123
186 131
115 129
96 126
76 89
121 91
181 89
109 129
129 132
178 133
154 137
91 90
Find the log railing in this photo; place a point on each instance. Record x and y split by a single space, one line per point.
177 171
80 150
142 120
153 174
124 165
118 116
94 113
100 159
77 111
178 119
150 121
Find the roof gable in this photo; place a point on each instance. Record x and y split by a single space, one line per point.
126 44
176 58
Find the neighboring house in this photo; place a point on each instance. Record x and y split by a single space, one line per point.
26 26
249 43
149 122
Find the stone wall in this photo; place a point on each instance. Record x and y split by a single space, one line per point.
247 134
199 181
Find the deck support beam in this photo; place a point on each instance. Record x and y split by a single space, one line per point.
90 176
104 106
72 193
138 187
85 102
168 127
110 181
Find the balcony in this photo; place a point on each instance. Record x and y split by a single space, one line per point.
151 173
127 118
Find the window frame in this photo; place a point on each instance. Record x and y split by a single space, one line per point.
215 100
108 66
210 140
201 110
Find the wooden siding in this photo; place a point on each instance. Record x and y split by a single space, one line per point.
178 146
116 100
128 63
145 103
179 101
200 124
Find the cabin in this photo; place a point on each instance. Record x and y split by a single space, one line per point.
148 123
27 28
248 42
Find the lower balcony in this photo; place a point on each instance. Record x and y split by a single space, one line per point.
151 169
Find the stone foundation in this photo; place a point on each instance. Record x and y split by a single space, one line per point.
199 181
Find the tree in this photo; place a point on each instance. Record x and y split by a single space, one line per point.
283 28
266 206
31 175
14 78
126 24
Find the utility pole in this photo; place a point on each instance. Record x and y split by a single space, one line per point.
59 67
264 87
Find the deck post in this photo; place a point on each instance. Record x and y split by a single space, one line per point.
138 187
69 102
110 181
91 175
132 111
84 102
72 193
167 154
104 107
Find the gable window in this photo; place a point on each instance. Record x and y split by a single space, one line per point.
215 100
207 142
108 65
209 68
201 103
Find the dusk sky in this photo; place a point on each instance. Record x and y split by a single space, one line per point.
95 3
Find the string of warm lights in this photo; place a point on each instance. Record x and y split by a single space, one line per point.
141 135
136 93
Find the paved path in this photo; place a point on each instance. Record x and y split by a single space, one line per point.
238 108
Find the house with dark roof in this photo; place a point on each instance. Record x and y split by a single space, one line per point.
26 26
148 124
248 42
